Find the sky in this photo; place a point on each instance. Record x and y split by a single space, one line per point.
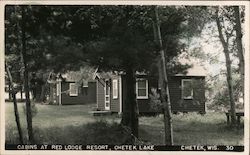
209 45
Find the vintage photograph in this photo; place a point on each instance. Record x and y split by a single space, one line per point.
125 77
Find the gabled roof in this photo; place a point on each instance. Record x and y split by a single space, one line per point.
105 75
84 74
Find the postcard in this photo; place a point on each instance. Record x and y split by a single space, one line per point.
157 77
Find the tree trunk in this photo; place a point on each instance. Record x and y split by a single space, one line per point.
15 105
229 71
9 91
165 96
26 80
131 81
130 108
240 52
42 96
21 91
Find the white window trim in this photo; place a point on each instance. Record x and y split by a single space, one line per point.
115 84
105 101
141 97
120 93
182 88
57 89
72 94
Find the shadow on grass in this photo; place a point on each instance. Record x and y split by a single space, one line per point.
191 129
100 132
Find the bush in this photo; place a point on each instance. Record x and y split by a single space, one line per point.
155 102
101 132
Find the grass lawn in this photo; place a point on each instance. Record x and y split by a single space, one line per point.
70 124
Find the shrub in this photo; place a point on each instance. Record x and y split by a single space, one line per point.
155 102
101 132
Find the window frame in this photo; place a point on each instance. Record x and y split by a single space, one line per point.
137 89
182 89
115 85
57 89
70 88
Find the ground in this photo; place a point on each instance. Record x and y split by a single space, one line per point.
72 123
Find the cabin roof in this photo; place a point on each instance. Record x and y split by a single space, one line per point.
106 75
84 74
195 70
90 74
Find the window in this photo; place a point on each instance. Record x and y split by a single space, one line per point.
115 88
85 83
187 89
142 89
73 89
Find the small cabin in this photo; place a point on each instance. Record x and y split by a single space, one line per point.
73 88
187 91
108 90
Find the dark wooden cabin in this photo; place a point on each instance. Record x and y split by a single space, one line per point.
73 88
187 92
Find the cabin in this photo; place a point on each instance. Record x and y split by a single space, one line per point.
108 90
73 88
187 91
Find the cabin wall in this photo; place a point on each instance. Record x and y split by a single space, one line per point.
197 104
114 103
53 99
85 95
144 104
187 105
100 94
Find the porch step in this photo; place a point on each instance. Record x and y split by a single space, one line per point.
100 113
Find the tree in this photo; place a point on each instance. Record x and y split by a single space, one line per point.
128 40
16 45
240 53
114 38
225 44
13 92
26 77
165 96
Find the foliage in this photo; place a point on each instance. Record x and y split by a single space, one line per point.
101 132
221 99
155 102
81 29
116 38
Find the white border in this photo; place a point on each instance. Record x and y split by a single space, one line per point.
37 2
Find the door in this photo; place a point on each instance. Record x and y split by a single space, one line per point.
107 95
